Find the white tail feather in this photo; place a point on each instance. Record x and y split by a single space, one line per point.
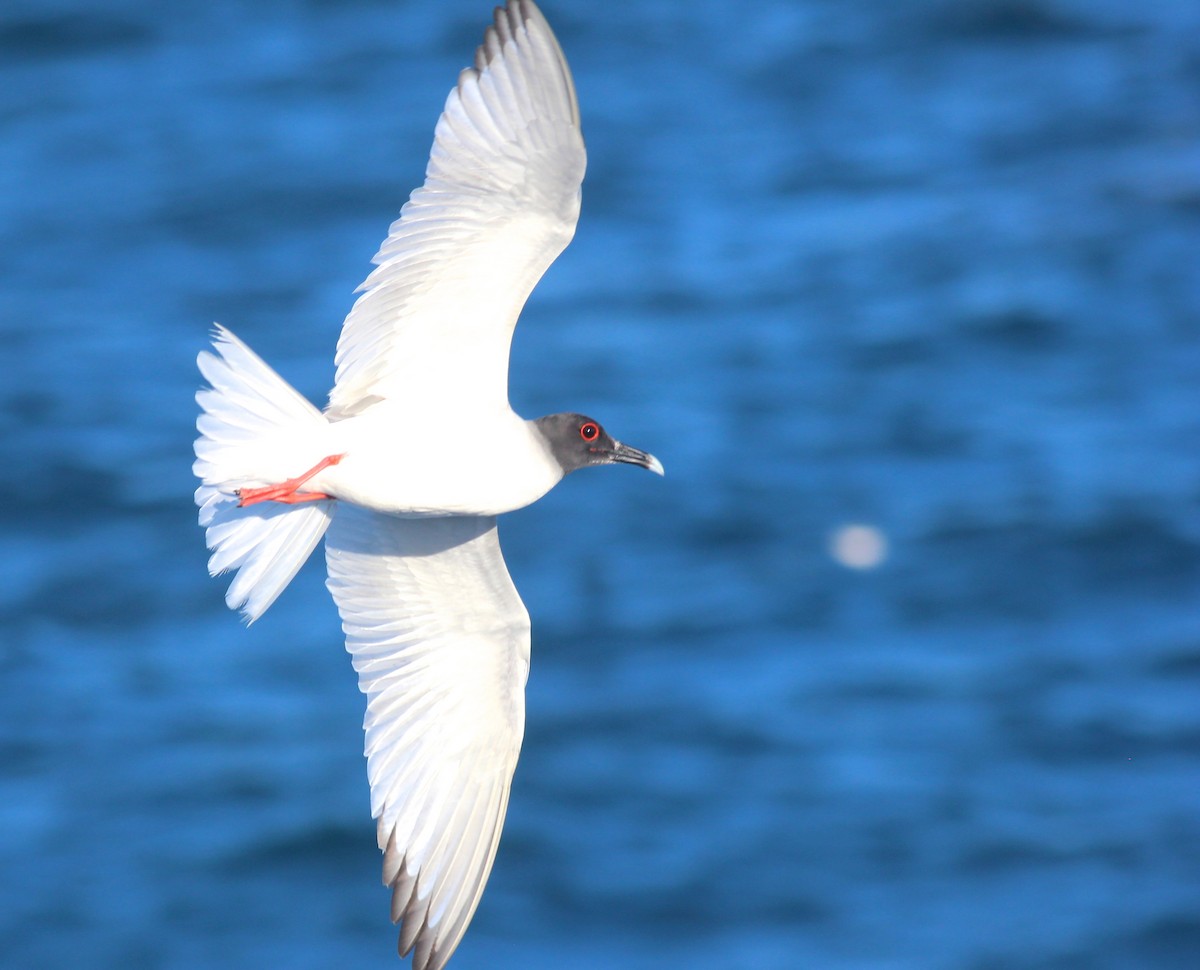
251 419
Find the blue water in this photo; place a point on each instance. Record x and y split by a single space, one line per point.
927 266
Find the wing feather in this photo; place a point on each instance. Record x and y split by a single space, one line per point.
440 641
434 320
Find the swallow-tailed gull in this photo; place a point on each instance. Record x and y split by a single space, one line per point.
407 467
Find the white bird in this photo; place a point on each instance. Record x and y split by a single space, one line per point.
407 467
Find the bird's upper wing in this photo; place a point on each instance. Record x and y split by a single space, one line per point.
440 640
434 323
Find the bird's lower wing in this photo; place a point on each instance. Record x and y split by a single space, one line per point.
440 641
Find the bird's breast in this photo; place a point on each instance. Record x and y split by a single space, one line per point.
442 465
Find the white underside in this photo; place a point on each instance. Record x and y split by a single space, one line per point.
437 465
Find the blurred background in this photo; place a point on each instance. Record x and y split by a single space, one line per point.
899 667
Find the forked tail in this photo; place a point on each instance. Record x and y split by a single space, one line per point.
248 414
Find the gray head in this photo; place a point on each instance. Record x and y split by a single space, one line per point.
578 441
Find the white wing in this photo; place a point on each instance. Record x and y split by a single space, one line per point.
440 640
433 325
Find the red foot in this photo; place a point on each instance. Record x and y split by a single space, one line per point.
285 492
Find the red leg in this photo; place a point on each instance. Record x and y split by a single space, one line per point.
285 492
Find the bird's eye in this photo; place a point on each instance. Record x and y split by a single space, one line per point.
589 431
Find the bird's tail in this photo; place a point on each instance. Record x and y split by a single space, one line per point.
251 419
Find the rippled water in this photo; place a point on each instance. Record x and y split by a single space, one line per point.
930 267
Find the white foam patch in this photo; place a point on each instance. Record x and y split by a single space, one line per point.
858 546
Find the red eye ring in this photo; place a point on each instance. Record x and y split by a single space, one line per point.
589 431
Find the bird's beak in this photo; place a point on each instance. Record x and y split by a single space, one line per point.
632 456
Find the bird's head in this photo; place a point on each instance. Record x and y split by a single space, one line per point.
578 441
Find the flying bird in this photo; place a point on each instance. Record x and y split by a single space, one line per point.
406 469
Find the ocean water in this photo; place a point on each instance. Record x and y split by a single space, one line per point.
927 267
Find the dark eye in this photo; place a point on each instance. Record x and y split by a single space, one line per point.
589 431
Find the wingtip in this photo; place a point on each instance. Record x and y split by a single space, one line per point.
518 16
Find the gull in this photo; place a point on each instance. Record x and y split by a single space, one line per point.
406 469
